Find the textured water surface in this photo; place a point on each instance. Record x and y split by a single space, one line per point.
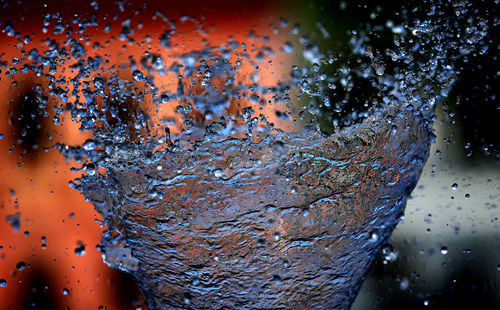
291 222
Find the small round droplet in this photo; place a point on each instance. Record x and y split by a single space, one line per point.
3 283
444 250
80 251
454 186
467 196
20 266
65 291
404 284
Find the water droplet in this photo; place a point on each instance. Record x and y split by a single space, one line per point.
389 254
20 266
80 251
444 250
428 219
288 47
404 284
3 283
138 75
65 291
454 186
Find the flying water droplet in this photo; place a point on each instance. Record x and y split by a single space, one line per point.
80 251
20 265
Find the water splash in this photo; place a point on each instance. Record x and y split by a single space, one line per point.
226 181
